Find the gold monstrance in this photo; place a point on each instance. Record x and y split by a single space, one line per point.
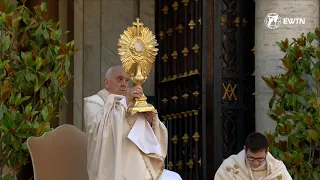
137 53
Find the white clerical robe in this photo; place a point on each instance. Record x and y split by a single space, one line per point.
121 146
236 168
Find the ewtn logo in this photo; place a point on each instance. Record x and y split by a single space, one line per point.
273 20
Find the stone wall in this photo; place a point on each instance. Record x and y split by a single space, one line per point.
267 53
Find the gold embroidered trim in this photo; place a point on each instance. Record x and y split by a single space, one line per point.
259 170
156 156
159 174
144 158
234 170
268 168
248 170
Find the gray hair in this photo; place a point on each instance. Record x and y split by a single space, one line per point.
109 72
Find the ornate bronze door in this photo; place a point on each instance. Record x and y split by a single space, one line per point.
204 81
234 76
179 83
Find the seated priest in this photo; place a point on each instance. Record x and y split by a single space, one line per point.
253 163
122 146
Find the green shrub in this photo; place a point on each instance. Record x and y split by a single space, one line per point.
34 70
295 106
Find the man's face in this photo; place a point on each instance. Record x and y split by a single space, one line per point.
118 82
256 159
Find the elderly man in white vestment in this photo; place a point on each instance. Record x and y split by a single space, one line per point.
123 146
253 163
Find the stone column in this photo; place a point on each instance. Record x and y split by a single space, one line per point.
92 45
267 53
63 19
78 64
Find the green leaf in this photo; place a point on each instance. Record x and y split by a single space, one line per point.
19 99
10 9
39 62
281 46
44 113
8 120
24 146
18 58
49 54
301 100
276 151
36 124
56 34
5 129
25 15
20 158
34 113
37 85
315 175
39 32
14 142
21 135
271 102
5 43
43 93
4 63
60 56
309 37
67 65
312 135
45 128
307 165
30 77
281 156
6 138
28 108
318 101
8 176
293 117
46 35
43 6
3 110
314 36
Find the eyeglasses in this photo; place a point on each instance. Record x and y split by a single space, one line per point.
258 159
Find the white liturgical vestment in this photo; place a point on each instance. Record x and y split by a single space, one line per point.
123 146
236 168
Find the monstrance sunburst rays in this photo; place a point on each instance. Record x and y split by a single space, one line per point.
137 50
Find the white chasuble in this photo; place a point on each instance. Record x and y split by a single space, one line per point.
236 168
121 146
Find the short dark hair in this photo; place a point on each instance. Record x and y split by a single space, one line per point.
256 142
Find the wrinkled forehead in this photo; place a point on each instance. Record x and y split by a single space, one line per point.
119 72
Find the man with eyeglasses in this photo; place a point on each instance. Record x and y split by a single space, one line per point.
253 163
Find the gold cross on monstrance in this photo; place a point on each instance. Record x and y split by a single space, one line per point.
138 24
